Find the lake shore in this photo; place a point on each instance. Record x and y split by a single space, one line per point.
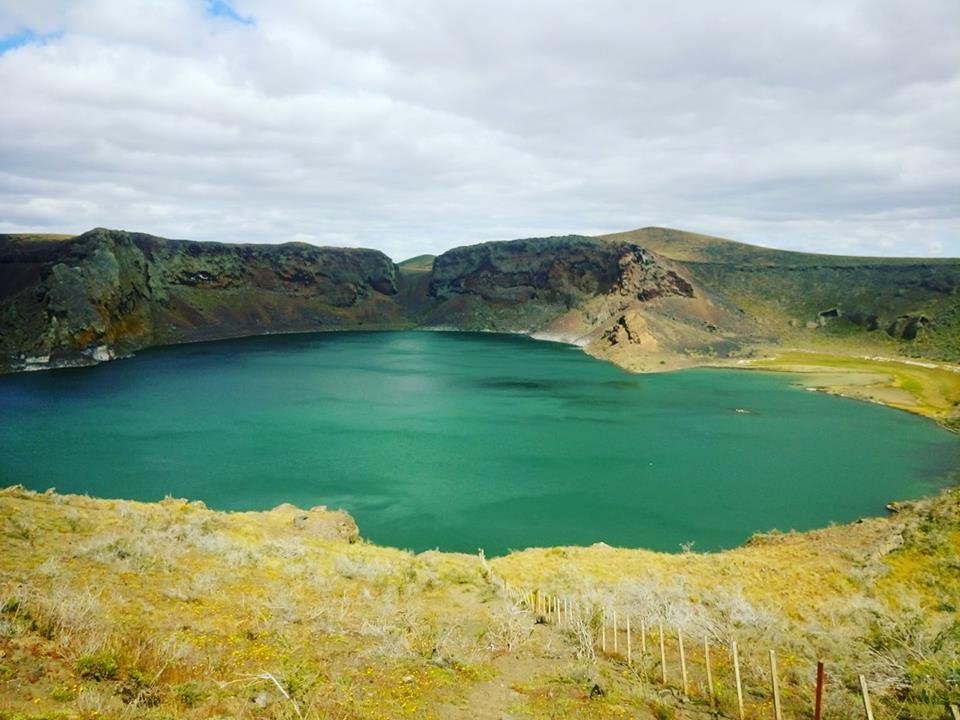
929 389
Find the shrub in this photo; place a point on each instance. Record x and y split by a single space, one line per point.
99 666
189 694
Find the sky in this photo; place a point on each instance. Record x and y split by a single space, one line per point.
417 126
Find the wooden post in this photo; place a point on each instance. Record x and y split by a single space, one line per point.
629 644
603 630
955 711
866 698
663 654
706 659
643 637
683 662
818 704
616 634
736 677
777 713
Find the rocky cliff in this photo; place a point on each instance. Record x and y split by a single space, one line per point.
107 293
643 299
616 298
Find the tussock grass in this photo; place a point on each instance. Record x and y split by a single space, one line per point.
122 609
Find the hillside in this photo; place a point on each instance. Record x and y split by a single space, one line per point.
644 298
900 305
648 300
125 609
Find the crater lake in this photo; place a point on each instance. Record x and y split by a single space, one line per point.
460 441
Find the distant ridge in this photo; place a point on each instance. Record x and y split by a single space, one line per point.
694 247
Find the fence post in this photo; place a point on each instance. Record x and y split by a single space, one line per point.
776 686
663 654
736 676
683 661
866 698
616 634
603 630
706 658
629 644
955 711
818 705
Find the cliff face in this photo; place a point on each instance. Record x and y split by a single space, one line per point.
617 299
555 273
641 299
106 292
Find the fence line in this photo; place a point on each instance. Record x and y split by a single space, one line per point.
573 615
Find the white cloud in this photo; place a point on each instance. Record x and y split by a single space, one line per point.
418 126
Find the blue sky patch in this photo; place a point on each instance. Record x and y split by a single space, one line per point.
221 8
24 37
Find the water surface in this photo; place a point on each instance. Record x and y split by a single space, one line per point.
460 441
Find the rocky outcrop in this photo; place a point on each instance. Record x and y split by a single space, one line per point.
907 327
617 299
108 293
525 285
563 271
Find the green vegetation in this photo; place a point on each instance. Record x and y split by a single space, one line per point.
926 389
100 666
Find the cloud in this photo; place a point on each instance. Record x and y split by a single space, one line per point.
415 127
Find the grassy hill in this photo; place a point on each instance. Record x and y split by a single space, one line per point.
418 264
907 306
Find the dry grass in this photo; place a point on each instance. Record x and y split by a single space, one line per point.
123 609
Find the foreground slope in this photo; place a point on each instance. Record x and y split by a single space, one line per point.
126 609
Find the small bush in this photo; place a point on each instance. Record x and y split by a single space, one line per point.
189 694
100 666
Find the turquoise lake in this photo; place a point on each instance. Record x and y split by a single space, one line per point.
461 441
